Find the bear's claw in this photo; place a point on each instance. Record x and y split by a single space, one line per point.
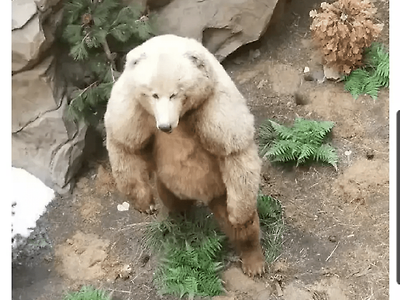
253 264
151 210
144 207
260 270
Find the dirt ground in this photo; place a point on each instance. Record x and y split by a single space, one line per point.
336 243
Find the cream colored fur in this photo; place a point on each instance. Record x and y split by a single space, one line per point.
211 151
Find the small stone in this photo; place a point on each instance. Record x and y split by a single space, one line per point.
370 154
332 238
125 272
48 258
262 83
123 207
347 153
144 260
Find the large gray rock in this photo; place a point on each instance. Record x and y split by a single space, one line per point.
29 38
27 44
22 12
44 141
32 96
222 26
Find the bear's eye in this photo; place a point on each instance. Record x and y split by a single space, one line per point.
155 96
172 96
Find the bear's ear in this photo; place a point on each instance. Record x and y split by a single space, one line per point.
198 61
132 59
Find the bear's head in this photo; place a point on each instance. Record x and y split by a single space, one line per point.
167 83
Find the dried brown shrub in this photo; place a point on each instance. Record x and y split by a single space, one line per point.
342 30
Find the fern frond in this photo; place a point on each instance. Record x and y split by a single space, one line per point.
282 150
374 75
88 292
282 131
305 153
326 153
266 138
298 143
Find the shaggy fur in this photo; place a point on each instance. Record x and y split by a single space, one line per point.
208 156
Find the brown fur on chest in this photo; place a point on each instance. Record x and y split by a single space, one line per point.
185 167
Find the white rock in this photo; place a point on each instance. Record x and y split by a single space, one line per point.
123 207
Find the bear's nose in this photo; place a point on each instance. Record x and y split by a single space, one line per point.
165 128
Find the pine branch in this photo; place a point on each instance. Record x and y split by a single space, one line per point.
108 54
88 27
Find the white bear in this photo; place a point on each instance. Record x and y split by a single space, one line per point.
176 112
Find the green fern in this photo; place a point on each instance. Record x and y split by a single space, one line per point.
192 249
373 76
88 293
191 254
300 143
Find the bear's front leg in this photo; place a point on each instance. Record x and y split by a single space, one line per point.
241 175
245 238
131 170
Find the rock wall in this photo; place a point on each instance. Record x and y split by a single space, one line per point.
44 141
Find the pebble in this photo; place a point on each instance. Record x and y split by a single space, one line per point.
332 239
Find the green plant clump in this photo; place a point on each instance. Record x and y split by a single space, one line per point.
192 249
300 143
272 226
373 76
95 32
88 293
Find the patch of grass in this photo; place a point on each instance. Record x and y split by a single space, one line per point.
304 141
373 76
88 293
192 249
272 226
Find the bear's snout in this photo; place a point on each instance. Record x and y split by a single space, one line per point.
165 128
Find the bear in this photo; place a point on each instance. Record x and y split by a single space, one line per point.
174 112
